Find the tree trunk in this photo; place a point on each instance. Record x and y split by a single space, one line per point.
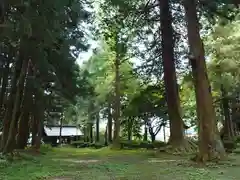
34 128
233 116
90 125
130 122
97 127
153 137
39 116
164 134
210 145
109 123
26 102
4 83
228 133
85 134
23 131
129 131
11 143
170 80
145 136
60 133
106 136
116 117
10 102
39 134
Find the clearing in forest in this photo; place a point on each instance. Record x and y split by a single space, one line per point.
104 164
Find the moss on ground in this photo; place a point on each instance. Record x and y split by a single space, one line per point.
72 163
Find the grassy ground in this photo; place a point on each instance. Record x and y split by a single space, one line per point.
104 164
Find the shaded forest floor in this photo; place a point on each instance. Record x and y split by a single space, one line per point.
76 164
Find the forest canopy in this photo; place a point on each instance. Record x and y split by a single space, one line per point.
186 75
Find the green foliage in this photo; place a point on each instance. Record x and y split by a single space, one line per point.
142 145
223 50
82 144
150 101
188 101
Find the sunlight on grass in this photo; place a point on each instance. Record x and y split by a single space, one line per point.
98 152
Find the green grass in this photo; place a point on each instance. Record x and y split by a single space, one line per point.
71 163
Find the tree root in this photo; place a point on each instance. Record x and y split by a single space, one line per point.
213 157
215 153
187 146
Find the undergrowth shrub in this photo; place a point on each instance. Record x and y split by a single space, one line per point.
82 144
142 144
46 148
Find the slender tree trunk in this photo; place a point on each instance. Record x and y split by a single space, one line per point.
130 122
164 134
39 117
170 80
129 129
233 114
109 113
228 125
90 121
2 62
4 83
153 137
106 136
39 133
210 145
34 124
90 125
85 134
145 136
60 133
23 131
97 127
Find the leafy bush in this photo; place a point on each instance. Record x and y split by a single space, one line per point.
46 148
229 145
124 144
142 144
158 144
237 139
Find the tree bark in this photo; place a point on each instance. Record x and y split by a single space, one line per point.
39 117
106 136
109 113
145 136
210 145
170 80
116 117
60 133
90 125
97 127
4 83
85 130
23 131
233 114
228 132
153 137
26 104
11 143
130 122
34 128
10 102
